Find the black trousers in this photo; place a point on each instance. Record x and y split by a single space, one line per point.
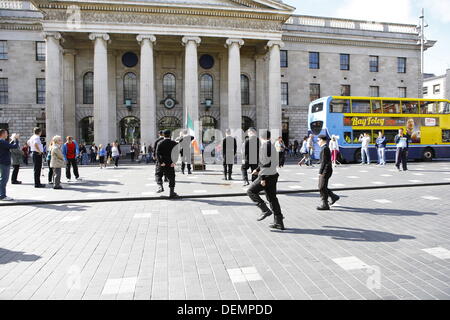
227 170
271 194
37 167
281 158
184 165
244 169
167 171
50 175
72 163
401 157
15 172
323 188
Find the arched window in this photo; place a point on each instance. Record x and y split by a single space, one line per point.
206 88
169 123
208 122
130 88
245 90
247 123
88 88
87 130
169 86
130 131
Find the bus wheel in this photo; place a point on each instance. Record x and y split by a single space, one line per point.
428 154
358 155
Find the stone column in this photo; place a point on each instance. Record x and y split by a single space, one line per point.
223 58
101 93
274 90
69 93
234 83
191 103
54 117
262 110
112 102
148 99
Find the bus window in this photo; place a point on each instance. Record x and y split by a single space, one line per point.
358 133
391 106
340 106
376 106
428 107
444 107
317 107
348 137
410 107
445 135
390 135
360 106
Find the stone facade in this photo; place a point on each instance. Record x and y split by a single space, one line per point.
298 35
437 87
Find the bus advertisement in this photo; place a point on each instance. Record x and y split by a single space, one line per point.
426 121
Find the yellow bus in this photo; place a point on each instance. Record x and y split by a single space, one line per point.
426 121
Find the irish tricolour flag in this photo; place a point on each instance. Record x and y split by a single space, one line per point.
190 127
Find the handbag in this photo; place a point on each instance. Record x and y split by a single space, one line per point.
97 157
108 161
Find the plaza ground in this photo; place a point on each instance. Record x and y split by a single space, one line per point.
374 244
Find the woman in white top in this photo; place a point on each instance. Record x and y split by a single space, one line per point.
115 154
334 147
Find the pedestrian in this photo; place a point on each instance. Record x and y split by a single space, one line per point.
250 159
325 173
48 158
5 162
101 156
365 141
310 143
167 158
229 150
70 151
57 161
280 147
185 141
143 153
132 152
83 154
267 178
26 153
37 150
155 145
334 148
108 153
380 144
115 153
402 142
296 145
16 157
93 154
304 151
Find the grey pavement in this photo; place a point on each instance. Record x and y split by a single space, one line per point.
373 244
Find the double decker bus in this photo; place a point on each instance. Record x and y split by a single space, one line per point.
426 121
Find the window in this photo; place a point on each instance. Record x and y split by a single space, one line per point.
425 90
358 133
3 90
284 94
373 63
314 60
40 91
314 91
444 107
345 61
445 135
245 90
208 125
410 107
169 86
361 106
206 88
340 106
317 107
402 92
283 58
391 106
247 123
130 88
87 130
345 90
3 50
390 135
401 65
429 107
40 51
374 91
376 106
436 88
130 131
88 88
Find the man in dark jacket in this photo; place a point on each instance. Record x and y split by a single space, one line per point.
5 162
325 173
167 155
250 155
267 178
229 150
155 145
401 156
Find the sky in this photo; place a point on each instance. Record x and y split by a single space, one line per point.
437 16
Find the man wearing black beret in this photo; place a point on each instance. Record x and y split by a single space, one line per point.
167 156
325 172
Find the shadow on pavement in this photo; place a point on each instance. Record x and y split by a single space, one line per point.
7 256
223 203
350 234
385 212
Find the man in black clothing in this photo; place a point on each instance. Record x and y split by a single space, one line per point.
155 145
401 155
250 155
167 157
325 173
229 150
267 178
186 151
